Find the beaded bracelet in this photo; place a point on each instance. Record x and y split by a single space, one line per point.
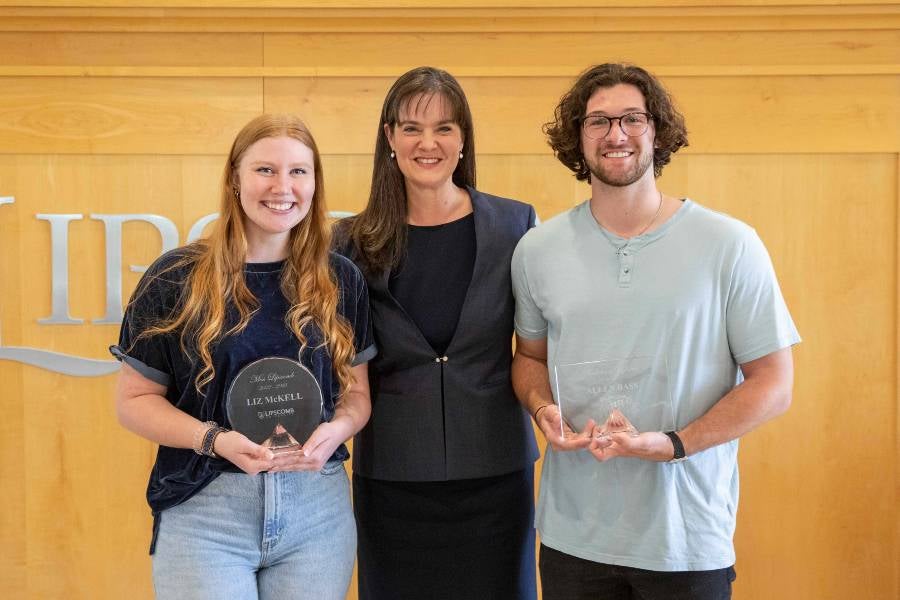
200 434
209 440
212 443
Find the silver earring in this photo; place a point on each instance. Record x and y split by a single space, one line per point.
393 155
460 154
237 193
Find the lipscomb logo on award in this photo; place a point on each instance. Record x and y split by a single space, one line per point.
75 364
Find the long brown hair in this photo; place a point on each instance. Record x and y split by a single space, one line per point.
379 231
564 132
216 282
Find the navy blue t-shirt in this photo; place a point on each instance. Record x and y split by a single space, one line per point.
180 473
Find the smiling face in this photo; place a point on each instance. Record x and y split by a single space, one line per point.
276 179
617 159
427 141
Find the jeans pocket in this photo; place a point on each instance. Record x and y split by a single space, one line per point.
332 467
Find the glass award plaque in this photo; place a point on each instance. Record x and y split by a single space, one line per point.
622 396
275 401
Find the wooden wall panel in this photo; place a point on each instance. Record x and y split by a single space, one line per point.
813 211
68 115
759 114
790 114
792 109
79 506
178 116
130 49
13 535
666 16
551 52
408 4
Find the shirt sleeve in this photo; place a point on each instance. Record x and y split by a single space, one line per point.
356 311
151 304
757 318
529 321
533 219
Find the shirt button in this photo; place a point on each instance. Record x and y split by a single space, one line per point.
625 271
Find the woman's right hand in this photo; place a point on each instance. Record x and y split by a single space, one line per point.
248 456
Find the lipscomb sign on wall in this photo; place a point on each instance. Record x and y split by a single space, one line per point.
71 364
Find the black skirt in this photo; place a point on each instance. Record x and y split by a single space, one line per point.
455 540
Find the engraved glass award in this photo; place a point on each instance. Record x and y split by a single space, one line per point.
275 402
622 396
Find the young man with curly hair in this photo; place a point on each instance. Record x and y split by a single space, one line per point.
670 314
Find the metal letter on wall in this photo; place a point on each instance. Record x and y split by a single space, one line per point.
113 224
198 227
59 269
68 364
47 359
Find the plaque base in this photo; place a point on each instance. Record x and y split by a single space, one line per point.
281 441
616 423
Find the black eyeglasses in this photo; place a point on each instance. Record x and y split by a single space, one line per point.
632 124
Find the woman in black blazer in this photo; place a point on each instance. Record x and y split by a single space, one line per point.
443 472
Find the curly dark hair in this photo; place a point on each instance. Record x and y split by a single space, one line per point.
564 132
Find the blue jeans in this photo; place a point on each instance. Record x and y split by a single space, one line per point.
272 535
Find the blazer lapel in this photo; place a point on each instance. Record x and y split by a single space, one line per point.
484 225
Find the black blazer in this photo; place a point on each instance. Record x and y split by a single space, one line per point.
437 418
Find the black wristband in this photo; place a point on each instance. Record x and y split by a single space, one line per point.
679 447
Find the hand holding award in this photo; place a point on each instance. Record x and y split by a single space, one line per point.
623 395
